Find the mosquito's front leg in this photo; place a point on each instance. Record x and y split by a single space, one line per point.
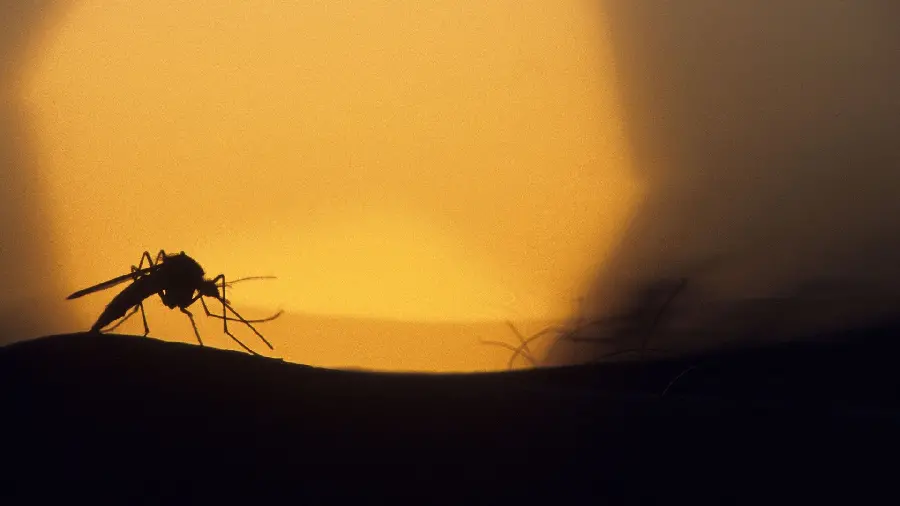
235 313
225 319
224 298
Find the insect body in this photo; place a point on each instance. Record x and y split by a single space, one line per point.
179 280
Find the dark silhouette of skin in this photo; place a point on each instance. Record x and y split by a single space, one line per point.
657 432
179 281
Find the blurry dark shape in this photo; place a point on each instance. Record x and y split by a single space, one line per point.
524 349
176 279
25 226
636 325
642 317
765 132
680 323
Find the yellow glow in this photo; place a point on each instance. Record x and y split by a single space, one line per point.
421 162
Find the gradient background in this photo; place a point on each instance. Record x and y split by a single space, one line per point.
416 174
413 174
765 135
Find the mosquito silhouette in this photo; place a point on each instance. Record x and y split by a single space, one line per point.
179 280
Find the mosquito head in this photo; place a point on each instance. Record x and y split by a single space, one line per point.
208 288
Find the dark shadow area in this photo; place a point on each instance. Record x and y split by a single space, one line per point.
26 258
147 421
766 134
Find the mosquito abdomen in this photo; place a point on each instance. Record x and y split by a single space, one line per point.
131 296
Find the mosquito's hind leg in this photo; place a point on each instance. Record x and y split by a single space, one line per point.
193 323
144 318
129 315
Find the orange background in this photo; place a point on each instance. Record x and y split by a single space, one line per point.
414 174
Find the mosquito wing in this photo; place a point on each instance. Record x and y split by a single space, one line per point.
112 282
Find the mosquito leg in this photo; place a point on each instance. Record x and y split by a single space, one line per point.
193 323
140 265
127 316
242 344
241 319
144 318
244 320
235 339
145 255
225 318
224 298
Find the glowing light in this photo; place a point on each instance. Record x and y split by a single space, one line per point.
415 162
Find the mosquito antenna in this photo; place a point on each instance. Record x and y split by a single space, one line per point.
248 278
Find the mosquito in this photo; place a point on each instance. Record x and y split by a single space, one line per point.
180 281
